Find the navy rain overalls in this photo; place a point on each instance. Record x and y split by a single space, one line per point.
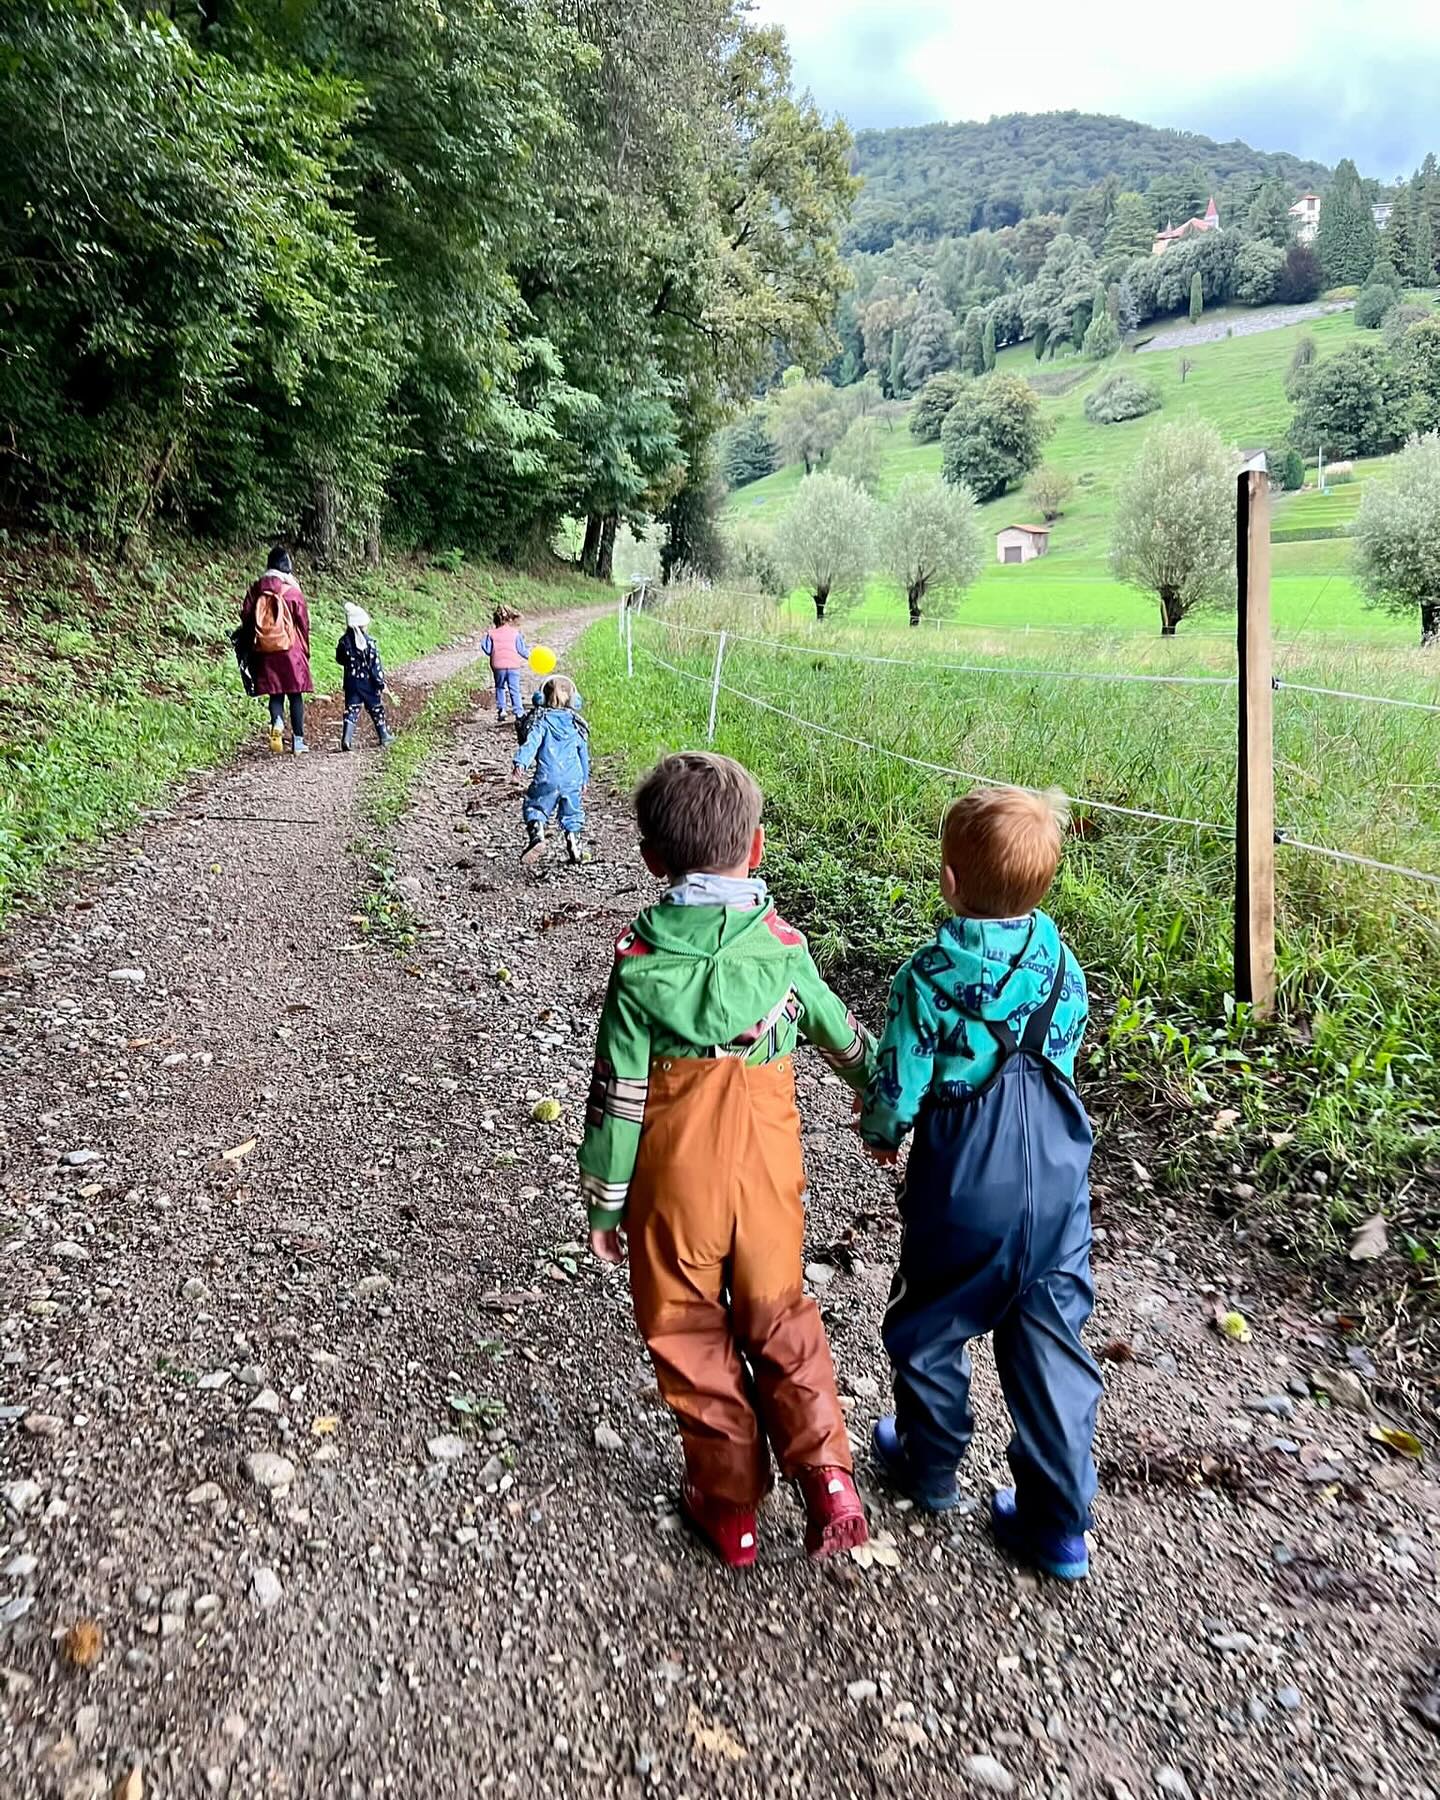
996 1211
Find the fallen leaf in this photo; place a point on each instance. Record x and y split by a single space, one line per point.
1371 1239
715 1740
131 1786
1117 1350
325 1426
1223 1120
81 1644
239 1152
1403 1443
879 1553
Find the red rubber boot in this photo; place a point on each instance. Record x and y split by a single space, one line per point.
729 1530
835 1517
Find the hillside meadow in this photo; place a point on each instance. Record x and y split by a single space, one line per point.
1237 383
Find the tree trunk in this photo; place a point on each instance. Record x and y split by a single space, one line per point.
591 548
324 531
915 594
1429 624
820 596
1171 613
372 547
605 561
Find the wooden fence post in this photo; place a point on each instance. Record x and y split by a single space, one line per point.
715 686
629 642
1255 763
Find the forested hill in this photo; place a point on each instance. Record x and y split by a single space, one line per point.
934 180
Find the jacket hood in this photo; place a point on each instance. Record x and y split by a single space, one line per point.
712 965
997 965
561 722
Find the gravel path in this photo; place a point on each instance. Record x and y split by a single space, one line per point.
1184 337
360 1471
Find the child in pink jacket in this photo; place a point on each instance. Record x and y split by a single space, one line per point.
508 653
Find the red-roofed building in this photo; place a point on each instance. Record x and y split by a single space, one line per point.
1021 543
1173 234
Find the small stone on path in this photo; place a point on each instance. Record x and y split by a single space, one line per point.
269 1471
862 1690
606 1438
446 1448
993 1777
265 1586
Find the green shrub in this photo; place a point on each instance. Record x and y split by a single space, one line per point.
1121 397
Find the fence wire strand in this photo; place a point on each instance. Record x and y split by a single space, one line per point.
920 762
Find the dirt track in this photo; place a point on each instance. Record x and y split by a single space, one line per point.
470 1579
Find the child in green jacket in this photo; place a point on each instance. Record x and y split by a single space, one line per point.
692 1148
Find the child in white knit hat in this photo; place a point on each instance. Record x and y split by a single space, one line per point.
359 656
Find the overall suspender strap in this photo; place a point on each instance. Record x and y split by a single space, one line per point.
1037 1027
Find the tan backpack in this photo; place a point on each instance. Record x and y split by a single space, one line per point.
274 627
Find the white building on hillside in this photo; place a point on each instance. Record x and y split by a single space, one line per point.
1306 214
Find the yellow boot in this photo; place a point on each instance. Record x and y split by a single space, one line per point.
277 739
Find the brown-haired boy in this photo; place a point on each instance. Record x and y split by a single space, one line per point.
978 1055
692 1148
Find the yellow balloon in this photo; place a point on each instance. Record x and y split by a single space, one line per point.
542 661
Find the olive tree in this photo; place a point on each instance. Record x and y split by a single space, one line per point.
1174 532
1397 537
930 540
824 538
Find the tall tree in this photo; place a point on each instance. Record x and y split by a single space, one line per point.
1347 243
930 541
1422 248
993 435
1397 537
930 340
1197 298
1269 217
1131 231
987 344
824 539
1174 530
806 419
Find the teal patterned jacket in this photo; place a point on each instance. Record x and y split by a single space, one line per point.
936 1045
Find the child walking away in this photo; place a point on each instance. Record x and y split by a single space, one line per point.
556 746
359 656
508 653
978 1055
692 1148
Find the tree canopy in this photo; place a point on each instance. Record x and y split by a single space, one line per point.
931 543
1397 536
462 271
1174 529
993 435
824 539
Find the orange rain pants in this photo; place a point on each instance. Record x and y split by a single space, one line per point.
716 1226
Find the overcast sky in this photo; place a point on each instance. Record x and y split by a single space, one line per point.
1324 78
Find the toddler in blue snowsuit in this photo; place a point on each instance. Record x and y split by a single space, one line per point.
556 747
978 1057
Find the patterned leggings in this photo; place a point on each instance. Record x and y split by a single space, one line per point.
376 710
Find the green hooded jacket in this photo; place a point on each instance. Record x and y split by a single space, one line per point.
694 981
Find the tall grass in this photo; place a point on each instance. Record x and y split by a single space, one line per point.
1353 1067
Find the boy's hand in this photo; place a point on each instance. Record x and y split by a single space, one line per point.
887 1159
608 1246
517 774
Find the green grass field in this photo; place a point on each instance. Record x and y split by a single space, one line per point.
1352 1070
1238 383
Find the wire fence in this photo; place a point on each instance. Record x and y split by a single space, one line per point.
715 682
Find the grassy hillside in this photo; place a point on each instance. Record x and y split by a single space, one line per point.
120 681
1239 384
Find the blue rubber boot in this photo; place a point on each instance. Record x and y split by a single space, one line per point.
1058 1553
933 1496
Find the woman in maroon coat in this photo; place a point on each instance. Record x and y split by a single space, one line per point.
277 622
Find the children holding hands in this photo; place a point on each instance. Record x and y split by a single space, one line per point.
691 1163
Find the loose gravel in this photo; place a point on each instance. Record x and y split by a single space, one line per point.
330 1466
